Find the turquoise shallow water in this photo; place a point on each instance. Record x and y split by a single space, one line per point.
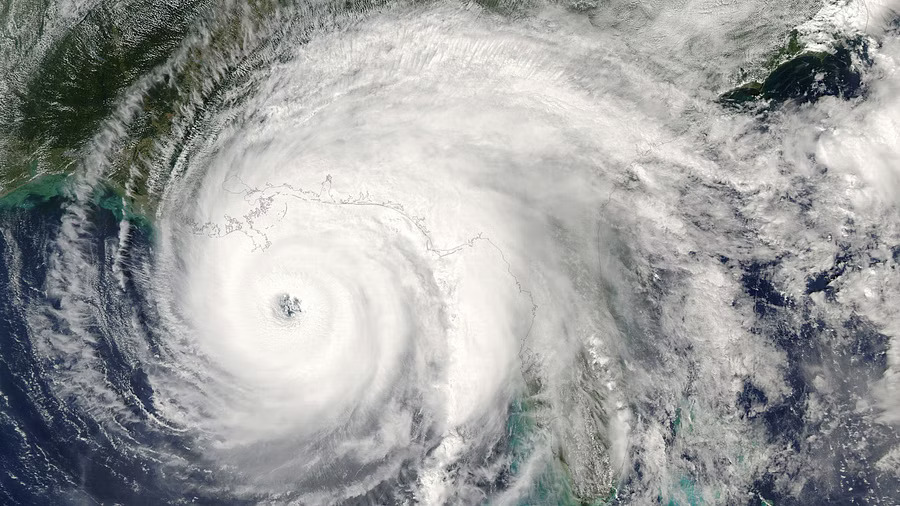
561 253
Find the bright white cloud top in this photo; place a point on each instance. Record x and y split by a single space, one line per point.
443 254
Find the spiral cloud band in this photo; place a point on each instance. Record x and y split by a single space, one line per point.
413 316
448 253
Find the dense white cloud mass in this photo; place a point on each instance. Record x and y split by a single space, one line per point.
435 253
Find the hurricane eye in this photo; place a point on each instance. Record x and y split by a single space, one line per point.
288 306
450 252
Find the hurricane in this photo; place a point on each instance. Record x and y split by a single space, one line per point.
595 252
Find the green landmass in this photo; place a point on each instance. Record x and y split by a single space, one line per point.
554 485
83 75
76 85
795 73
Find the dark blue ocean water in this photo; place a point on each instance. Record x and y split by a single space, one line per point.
53 451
